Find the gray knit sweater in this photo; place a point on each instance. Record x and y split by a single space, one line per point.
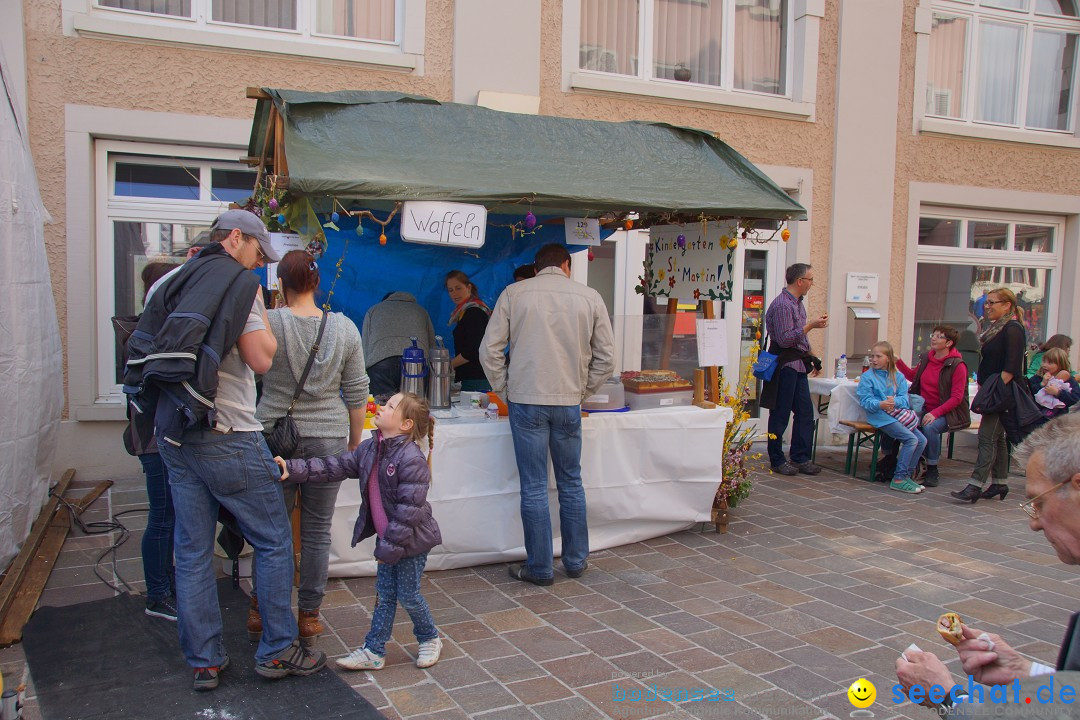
389 325
337 380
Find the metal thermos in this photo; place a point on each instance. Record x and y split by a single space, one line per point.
10 709
413 369
439 383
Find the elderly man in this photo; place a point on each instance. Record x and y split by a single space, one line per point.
561 351
1052 458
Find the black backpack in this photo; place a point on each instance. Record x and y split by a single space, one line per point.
886 465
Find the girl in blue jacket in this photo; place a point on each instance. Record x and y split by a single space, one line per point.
394 480
882 392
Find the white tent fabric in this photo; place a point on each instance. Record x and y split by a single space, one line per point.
31 357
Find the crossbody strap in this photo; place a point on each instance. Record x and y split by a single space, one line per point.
310 362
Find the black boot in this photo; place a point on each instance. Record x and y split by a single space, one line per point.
995 490
969 494
930 479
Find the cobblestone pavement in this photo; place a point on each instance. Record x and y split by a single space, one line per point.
819 581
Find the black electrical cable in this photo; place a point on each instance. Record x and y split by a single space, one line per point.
100 528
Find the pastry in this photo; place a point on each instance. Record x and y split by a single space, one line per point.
951 628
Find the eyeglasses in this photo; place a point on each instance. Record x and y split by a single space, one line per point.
997 302
807 279
1029 506
937 336
258 248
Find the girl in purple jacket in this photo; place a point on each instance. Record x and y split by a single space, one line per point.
394 478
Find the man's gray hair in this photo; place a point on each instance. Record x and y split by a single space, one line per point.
796 271
1058 441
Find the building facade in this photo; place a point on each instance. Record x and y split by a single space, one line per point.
934 143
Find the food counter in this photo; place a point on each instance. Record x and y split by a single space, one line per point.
646 474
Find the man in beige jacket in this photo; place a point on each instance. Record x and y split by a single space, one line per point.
561 351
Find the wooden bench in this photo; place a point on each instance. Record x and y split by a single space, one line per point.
864 435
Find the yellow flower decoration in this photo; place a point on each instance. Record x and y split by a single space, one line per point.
661 274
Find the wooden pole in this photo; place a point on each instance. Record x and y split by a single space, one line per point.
712 371
669 333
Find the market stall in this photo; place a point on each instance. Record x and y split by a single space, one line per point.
645 474
355 173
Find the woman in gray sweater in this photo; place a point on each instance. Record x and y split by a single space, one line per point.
329 415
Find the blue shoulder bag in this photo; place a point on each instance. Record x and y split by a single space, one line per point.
765 365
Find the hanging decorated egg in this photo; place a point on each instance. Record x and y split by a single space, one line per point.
530 220
591 256
629 224
382 239
681 241
334 217
273 204
281 219
785 235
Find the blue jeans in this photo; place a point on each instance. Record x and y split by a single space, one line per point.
157 539
538 429
792 399
394 584
933 433
234 470
385 376
912 443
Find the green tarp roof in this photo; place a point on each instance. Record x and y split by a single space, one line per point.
385 146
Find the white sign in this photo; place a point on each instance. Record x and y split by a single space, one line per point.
862 287
711 343
683 262
282 243
444 223
582 231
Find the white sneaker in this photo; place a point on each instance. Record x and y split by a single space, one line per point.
361 659
429 653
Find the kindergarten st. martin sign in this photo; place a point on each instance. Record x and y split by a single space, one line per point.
688 263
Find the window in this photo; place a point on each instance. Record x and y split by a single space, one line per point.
375 21
1004 62
727 44
961 258
154 203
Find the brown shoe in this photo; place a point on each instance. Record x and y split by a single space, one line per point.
310 627
254 621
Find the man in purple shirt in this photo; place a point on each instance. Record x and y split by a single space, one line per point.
786 325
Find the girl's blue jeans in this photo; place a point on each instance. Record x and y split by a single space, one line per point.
912 443
399 583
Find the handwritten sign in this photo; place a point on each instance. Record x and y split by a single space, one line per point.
444 223
697 267
711 343
582 231
862 287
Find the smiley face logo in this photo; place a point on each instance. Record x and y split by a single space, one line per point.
862 693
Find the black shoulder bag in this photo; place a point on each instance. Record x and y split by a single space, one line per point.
285 436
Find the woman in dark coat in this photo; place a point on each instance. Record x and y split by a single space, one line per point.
470 319
1003 342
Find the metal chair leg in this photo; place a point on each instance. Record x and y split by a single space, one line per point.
952 437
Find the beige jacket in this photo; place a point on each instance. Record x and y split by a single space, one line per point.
561 345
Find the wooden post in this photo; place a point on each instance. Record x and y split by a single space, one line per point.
712 371
720 515
669 333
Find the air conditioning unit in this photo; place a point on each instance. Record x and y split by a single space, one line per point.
939 102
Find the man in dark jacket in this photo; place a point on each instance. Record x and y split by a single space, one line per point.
1051 456
219 458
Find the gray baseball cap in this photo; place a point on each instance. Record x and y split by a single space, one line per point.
249 224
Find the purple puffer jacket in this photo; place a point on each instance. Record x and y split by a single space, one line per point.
404 478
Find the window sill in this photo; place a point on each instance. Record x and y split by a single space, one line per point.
949 128
104 411
695 95
93 25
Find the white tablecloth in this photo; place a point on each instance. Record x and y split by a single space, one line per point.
646 474
844 403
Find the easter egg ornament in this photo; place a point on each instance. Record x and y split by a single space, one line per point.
530 220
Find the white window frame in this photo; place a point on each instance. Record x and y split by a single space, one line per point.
112 208
973 257
405 53
801 67
968 126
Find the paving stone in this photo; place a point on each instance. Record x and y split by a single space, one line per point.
604 696
757 660
573 622
574 708
625 621
735 622
778 703
980 609
661 641
514 713
823 663
484 601
424 698
488 648
458 672
593 603
539 690
508 620
543 643
541 603
743 683
779 593
642 664
836 640
800 682
513 668
606 643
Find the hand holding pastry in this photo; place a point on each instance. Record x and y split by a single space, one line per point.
951 628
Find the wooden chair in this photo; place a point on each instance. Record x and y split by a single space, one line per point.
865 435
